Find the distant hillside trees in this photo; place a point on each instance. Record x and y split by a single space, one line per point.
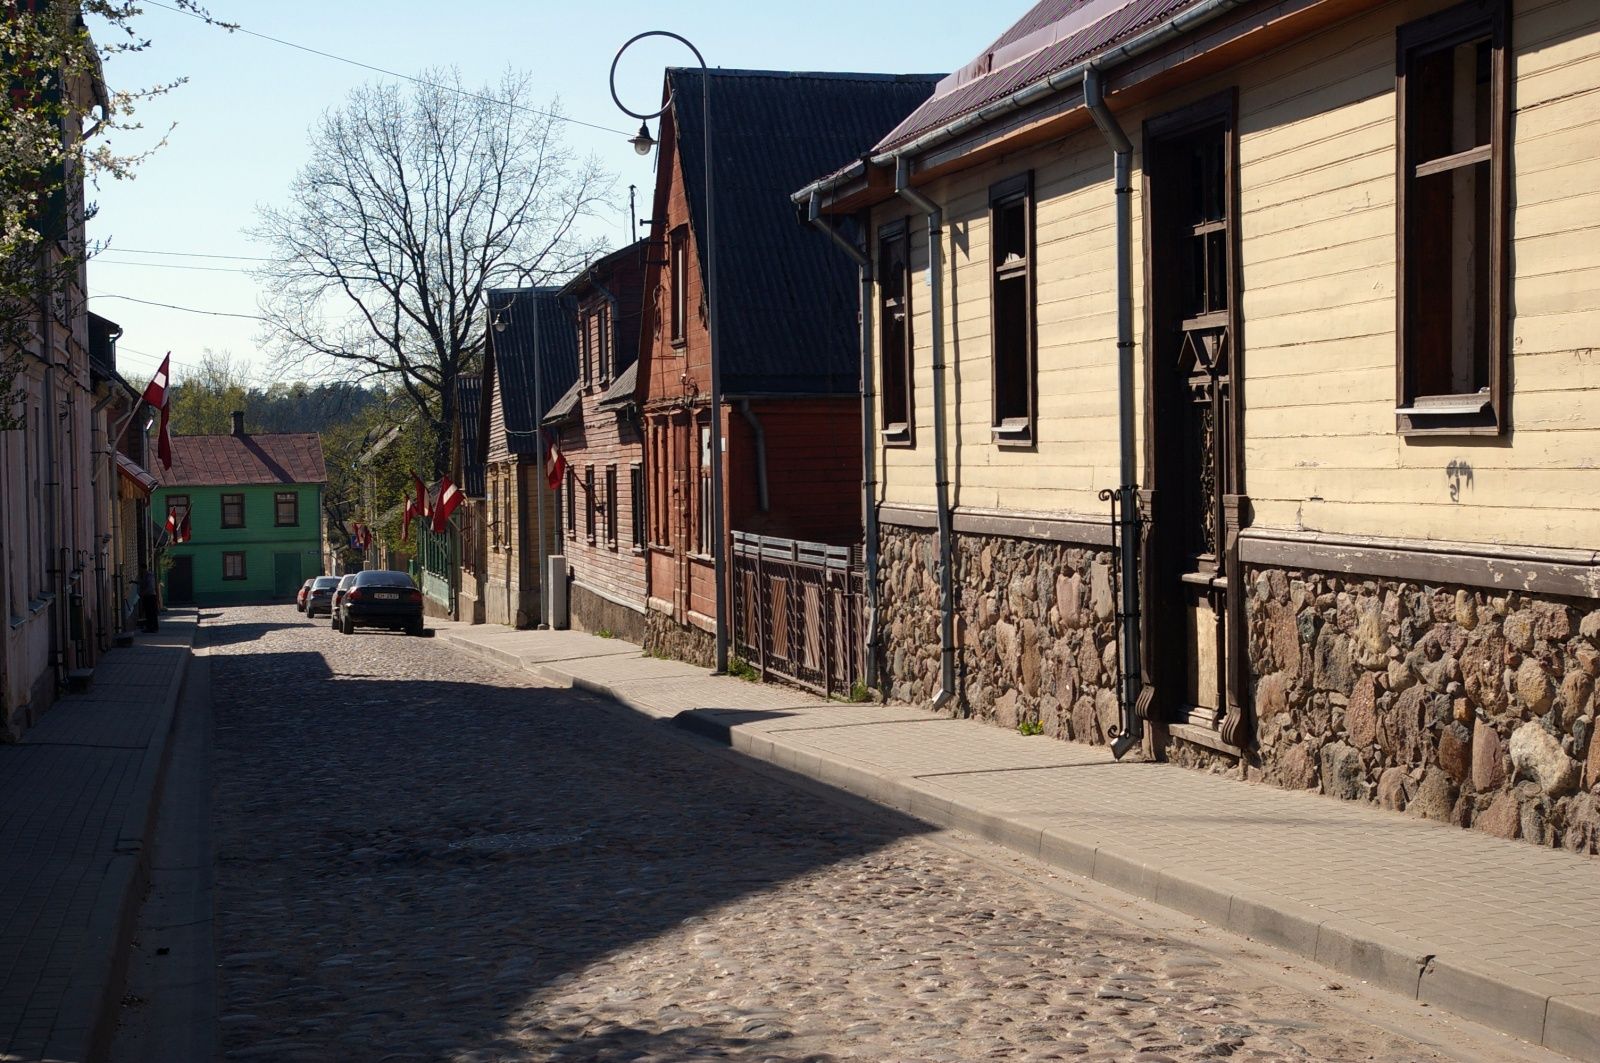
204 401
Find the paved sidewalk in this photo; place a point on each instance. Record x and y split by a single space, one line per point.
1502 932
76 810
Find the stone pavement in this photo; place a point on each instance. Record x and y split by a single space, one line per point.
1501 932
76 808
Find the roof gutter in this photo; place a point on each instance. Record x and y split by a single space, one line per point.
1071 77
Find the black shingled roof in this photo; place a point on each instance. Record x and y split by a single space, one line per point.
541 317
787 298
469 401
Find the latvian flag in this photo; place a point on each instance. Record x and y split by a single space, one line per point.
449 498
555 462
155 393
177 528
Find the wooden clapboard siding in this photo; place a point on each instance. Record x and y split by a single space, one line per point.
1317 222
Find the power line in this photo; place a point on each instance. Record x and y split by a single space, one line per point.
168 265
185 254
389 73
170 306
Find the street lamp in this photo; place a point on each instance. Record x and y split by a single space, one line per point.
642 143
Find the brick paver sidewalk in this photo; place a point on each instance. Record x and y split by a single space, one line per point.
1503 932
76 804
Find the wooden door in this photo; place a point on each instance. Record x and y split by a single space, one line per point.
1194 646
180 581
285 574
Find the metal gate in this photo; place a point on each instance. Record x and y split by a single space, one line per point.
799 611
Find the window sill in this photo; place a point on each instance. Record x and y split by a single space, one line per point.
1013 432
898 435
678 343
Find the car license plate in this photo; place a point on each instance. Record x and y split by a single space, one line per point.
386 597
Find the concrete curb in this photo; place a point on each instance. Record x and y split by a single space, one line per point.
92 1004
1531 1009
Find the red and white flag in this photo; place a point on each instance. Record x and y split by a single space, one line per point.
405 523
155 393
172 523
449 498
421 507
183 528
555 462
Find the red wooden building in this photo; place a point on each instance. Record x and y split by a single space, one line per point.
603 498
787 305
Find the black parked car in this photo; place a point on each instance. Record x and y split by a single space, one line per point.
380 599
346 581
319 599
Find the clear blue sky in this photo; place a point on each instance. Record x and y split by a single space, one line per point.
242 118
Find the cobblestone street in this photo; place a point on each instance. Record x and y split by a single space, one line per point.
421 858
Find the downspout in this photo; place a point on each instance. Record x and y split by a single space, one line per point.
869 431
760 434
1127 491
941 461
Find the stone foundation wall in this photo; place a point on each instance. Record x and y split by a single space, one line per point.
665 637
587 611
1035 630
1455 704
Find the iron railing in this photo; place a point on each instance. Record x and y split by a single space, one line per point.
799 611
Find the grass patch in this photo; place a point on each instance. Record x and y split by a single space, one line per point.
1028 728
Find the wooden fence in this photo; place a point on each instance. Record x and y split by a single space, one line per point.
799 611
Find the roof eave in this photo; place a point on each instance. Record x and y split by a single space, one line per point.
832 189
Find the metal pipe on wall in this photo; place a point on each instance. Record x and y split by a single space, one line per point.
941 459
869 431
1127 490
760 434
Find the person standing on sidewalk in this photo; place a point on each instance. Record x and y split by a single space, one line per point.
149 604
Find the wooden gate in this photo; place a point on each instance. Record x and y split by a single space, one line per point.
799 611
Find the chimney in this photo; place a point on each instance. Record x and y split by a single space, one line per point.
238 422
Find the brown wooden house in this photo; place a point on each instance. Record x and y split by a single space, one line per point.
603 496
787 330
526 326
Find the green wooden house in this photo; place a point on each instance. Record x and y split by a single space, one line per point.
254 504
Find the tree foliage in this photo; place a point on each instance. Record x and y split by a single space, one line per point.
62 127
413 204
203 404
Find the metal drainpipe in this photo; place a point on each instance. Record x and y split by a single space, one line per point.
1127 491
941 461
869 431
760 434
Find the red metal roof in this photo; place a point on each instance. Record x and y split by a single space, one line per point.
281 458
1051 37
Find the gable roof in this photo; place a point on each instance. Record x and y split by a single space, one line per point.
228 461
535 319
787 299
1052 36
621 275
469 399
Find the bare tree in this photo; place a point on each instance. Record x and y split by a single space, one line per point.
413 205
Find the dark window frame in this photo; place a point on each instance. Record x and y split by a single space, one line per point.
586 346
224 510
572 502
589 507
278 500
896 345
636 507
678 284
603 343
234 555
1014 418
611 507
1415 41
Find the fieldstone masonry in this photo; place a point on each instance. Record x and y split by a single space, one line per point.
665 637
1035 631
1453 704
1458 705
